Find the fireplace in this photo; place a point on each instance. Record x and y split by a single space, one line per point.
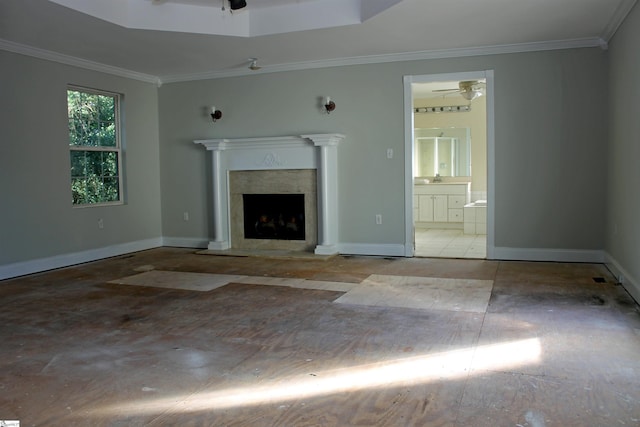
287 162
263 201
273 216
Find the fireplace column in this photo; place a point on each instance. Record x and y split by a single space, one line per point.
327 183
220 240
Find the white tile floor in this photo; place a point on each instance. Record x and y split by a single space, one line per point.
450 244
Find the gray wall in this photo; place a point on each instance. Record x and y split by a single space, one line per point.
550 143
37 220
623 198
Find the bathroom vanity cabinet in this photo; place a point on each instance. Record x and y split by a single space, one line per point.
441 203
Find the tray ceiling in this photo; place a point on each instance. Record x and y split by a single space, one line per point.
177 40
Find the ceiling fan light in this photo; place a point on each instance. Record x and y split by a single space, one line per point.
237 4
254 64
470 95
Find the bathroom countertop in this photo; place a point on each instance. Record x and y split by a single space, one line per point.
440 183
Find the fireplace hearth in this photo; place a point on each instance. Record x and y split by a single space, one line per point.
274 216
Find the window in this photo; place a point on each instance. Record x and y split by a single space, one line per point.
94 145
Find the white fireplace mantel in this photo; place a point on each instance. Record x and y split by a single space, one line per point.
317 151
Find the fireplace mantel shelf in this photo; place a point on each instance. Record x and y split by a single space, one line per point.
271 141
312 151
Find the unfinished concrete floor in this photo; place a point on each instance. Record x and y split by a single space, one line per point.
557 345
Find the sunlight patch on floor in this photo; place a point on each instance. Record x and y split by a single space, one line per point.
448 365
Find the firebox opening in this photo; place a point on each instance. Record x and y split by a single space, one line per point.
274 216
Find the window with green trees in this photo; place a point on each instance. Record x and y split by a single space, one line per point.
94 144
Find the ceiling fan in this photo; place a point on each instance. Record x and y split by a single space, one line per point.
237 4
233 4
468 89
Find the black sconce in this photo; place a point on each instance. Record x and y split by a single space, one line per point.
215 114
237 4
329 105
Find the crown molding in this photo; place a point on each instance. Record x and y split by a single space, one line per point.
618 17
76 62
307 65
395 57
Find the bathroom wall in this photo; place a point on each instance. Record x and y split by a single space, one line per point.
476 120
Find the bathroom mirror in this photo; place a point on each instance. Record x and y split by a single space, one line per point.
443 151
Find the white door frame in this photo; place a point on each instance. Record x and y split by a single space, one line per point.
409 148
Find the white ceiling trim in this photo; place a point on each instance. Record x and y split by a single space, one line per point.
623 9
76 62
373 59
396 57
210 18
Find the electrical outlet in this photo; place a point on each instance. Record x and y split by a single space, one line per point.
378 219
100 223
389 153
185 216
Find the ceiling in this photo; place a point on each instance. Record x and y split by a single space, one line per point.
173 40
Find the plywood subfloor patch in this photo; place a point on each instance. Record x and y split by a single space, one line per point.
421 293
179 280
299 283
376 290
204 282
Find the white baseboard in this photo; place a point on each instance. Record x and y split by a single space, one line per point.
371 249
185 242
630 283
65 260
553 255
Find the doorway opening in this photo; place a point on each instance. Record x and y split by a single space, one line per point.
449 165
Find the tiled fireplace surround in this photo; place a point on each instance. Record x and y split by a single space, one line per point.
293 156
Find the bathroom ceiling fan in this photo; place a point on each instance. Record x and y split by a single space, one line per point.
469 89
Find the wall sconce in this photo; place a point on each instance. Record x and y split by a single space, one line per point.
329 105
215 114
237 4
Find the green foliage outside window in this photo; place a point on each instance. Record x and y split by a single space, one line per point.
94 147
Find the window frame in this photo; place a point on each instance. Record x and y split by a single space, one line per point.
117 148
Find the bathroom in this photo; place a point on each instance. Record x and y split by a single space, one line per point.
450 169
